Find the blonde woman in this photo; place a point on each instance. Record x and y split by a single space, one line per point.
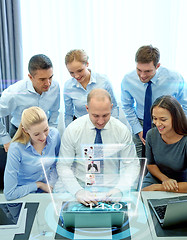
82 82
34 145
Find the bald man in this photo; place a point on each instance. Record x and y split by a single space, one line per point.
83 131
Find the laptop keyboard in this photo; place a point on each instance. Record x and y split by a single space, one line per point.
161 211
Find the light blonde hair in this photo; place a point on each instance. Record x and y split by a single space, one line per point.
30 117
77 55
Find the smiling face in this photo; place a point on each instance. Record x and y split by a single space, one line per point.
38 132
79 71
99 111
146 71
41 80
163 120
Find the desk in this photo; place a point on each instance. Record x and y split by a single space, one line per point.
46 220
157 194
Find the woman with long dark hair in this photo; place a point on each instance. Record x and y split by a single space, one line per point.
166 147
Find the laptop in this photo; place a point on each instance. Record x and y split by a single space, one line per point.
103 215
170 211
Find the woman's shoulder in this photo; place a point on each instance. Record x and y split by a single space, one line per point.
152 133
99 76
152 130
53 131
53 136
69 83
16 145
185 140
16 148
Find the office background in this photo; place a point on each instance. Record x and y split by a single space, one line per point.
110 31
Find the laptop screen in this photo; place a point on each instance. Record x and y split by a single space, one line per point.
169 211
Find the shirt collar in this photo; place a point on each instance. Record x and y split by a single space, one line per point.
92 126
92 78
28 145
155 78
30 87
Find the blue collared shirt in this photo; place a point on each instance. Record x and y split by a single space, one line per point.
165 82
24 166
22 95
75 96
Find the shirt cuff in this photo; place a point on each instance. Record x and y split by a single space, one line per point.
5 139
137 128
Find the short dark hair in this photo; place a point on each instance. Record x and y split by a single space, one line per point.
147 54
179 120
38 62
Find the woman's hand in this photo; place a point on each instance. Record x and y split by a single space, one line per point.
170 185
44 187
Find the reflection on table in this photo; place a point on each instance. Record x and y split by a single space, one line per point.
46 221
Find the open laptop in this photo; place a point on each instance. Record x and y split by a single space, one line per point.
170 211
103 215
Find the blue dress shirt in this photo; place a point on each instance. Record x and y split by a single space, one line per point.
24 168
75 96
22 95
165 82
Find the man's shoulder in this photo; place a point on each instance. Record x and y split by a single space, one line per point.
20 85
116 123
55 84
166 73
78 124
130 75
